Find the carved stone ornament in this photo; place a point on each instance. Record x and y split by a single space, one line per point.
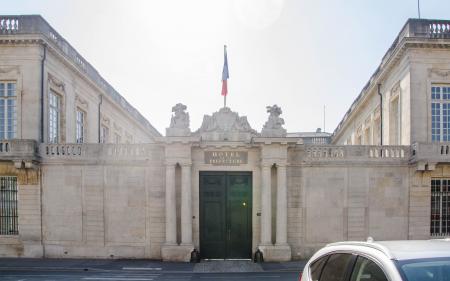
226 125
105 120
443 73
81 101
274 125
395 90
368 121
376 113
179 123
9 69
117 128
359 131
55 82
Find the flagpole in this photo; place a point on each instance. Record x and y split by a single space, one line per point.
225 76
418 7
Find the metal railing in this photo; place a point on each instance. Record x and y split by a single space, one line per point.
440 204
8 206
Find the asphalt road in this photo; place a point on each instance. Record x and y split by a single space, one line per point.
130 275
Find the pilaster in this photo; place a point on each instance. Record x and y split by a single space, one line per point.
266 205
186 204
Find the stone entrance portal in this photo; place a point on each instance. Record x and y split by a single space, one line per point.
226 215
217 198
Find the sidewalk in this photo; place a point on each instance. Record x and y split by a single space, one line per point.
145 265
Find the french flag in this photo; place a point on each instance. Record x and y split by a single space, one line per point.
225 75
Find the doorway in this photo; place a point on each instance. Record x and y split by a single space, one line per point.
226 215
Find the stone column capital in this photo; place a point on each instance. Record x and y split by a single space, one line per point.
266 164
281 164
185 164
170 163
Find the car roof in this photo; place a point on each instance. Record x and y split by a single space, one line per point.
405 249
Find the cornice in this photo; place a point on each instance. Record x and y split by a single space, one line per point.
79 65
385 66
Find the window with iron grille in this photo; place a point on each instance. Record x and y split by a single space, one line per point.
440 207
8 112
8 206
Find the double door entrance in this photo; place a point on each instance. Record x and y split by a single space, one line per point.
226 215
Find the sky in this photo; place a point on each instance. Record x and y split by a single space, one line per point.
302 55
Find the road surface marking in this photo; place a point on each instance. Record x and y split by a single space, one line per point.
240 277
141 268
117 278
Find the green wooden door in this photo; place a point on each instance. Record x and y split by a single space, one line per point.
225 215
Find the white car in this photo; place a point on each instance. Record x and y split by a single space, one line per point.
406 260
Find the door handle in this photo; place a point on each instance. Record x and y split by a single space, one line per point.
229 234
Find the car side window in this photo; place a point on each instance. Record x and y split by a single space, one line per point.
316 268
336 267
367 270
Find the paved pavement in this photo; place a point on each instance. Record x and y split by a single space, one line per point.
24 269
22 264
142 276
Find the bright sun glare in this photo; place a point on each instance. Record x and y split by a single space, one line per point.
258 14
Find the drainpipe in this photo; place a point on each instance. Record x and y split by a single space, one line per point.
381 113
42 93
99 118
42 211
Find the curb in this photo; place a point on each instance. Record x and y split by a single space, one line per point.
66 269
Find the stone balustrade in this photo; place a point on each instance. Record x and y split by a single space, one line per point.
357 153
19 151
413 30
439 29
325 152
98 152
390 151
35 24
9 24
28 149
56 150
434 153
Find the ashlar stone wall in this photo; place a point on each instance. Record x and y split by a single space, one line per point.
335 194
106 202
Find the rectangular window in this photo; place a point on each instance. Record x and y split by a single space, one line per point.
117 138
104 134
394 119
440 207
54 115
8 111
80 126
367 140
8 206
440 113
377 131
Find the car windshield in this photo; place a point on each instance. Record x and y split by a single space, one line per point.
431 269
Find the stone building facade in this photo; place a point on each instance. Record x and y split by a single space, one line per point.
83 174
